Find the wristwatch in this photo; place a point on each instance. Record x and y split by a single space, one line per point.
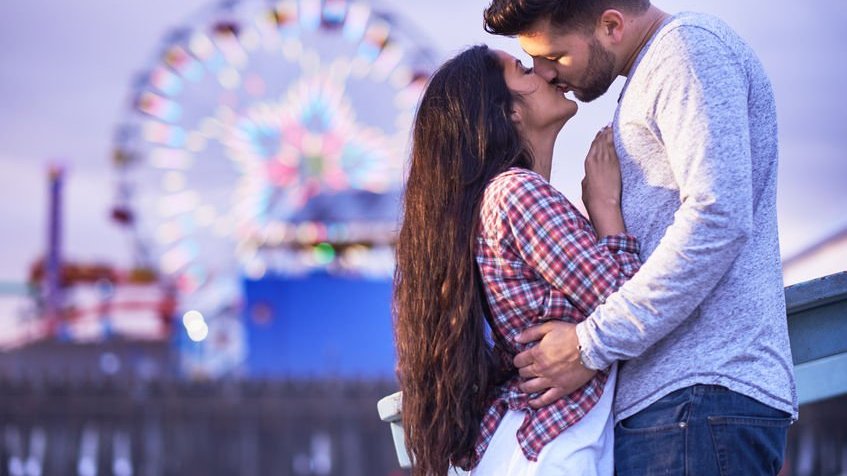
582 358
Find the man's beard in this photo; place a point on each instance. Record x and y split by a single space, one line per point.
599 73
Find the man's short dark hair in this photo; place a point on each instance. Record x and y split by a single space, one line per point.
514 17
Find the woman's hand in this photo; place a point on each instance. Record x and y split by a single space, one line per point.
601 187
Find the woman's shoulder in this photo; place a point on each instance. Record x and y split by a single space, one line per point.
521 192
516 180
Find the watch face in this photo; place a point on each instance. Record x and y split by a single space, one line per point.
272 138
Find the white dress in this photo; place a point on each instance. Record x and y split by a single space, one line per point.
584 449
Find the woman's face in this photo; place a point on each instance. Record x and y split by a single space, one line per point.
538 104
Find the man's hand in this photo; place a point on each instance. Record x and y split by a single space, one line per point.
552 366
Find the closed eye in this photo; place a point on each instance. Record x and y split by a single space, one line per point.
523 68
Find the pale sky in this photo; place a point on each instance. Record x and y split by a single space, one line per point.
66 68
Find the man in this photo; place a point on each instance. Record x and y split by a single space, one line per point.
706 381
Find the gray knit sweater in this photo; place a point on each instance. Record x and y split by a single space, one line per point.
697 138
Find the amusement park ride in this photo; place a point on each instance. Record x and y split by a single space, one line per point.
89 302
265 143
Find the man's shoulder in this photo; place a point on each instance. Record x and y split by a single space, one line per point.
690 42
694 28
703 20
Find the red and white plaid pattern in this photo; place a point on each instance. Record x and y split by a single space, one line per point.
540 259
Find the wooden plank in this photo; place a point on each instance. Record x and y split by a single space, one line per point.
821 379
817 318
816 293
819 332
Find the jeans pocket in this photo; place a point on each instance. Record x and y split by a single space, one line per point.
752 445
667 414
651 450
653 440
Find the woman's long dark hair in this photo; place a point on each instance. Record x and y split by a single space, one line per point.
463 137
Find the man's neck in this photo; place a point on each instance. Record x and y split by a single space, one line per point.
644 27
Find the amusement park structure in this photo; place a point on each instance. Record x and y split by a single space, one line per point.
261 153
88 302
266 141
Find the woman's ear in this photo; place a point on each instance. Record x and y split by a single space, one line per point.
516 115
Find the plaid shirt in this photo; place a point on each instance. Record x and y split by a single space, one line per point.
540 259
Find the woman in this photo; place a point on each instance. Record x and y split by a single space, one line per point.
487 241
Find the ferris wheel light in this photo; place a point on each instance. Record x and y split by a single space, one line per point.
226 116
195 142
339 70
176 259
386 62
232 49
310 61
173 181
156 132
201 46
181 62
164 134
178 203
378 32
369 52
254 85
210 127
164 158
292 49
359 67
226 29
334 12
165 81
266 26
205 215
357 20
250 39
169 232
310 14
285 13
159 107
215 63
401 77
229 78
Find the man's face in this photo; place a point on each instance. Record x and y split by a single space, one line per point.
574 61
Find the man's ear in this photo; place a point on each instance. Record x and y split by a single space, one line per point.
611 26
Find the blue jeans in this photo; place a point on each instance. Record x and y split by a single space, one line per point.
702 430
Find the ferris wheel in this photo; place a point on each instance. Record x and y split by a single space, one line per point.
270 137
